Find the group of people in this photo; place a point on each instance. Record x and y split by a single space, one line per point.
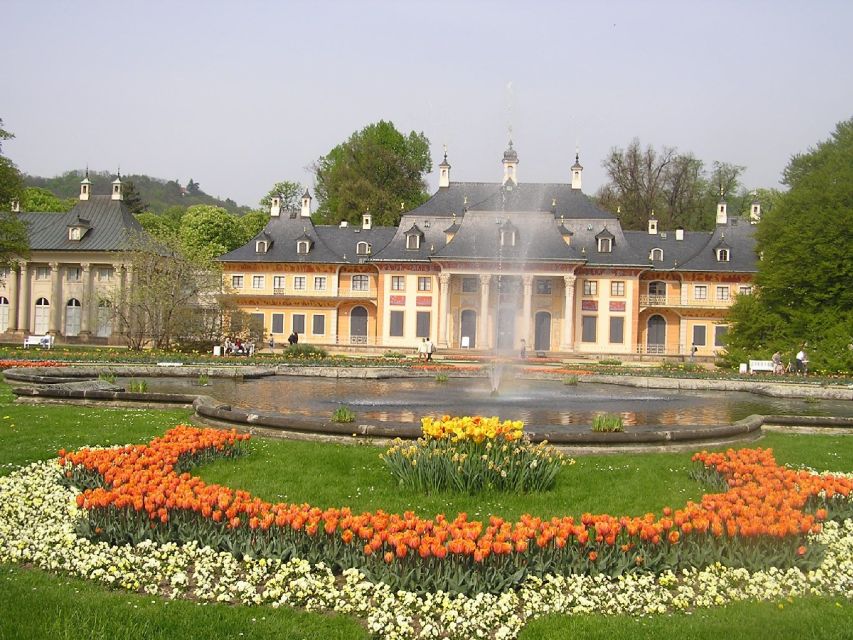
237 347
425 349
800 366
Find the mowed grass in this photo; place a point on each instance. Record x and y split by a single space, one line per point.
346 475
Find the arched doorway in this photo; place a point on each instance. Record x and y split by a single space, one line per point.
506 329
542 338
358 326
656 335
105 319
42 317
4 313
72 317
468 328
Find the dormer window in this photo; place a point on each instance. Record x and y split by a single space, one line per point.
722 255
508 234
362 249
303 246
261 246
413 237
605 241
74 233
656 255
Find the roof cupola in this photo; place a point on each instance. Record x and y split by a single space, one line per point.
444 171
577 170
117 194
85 187
306 204
510 163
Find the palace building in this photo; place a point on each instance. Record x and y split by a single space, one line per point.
484 265
63 289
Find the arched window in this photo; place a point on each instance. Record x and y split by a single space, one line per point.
722 255
42 317
358 325
656 255
413 241
261 246
303 246
656 335
362 249
72 317
4 313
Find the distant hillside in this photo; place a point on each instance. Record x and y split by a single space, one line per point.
157 193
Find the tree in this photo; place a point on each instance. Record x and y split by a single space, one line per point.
375 170
290 193
802 288
173 298
193 187
14 242
252 223
37 199
132 198
207 232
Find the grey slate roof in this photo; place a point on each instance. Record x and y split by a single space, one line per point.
111 225
331 244
739 235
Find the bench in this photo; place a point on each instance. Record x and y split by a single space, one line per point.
45 342
761 365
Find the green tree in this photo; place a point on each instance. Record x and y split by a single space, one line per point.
207 232
375 170
252 223
132 199
802 292
38 199
290 193
13 234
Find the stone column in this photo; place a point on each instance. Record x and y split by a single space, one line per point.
122 327
443 309
55 318
24 300
527 279
484 340
87 302
683 346
569 313
12 288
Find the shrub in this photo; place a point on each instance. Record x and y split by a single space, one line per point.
107 376
607 423
203 380
138 386
610 362
343 414
441 377
570 381
393 355
305 352
473 454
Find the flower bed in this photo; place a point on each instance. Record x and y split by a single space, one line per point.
473 454
9 364
764 518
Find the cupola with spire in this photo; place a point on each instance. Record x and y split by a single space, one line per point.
722 215
444 171
117 194
275 205
577 170
306 204
85 187
510 163
755 210
653 224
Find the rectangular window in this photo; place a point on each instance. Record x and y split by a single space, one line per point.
543 286
73 274
104 274
424 283
617 288
744 290
590 287
237 282
256 325
422 329
298 320
299 283
257 282
396 324
398 283
278 282
720 332
278 323
722 293
318 324
360 283
700 292
617 330
469 285
589 328
319 283
42 273
699 335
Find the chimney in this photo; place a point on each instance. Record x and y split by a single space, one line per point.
275 206
722 216
306 204
679 233
653 224
16 205
577 170
444 171
755 212
117 194
85 187
367 221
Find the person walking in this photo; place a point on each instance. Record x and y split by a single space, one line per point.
422 350
523 353
802 360
430 349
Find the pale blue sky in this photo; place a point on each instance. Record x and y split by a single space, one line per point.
239 95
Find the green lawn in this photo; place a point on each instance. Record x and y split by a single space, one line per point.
337 475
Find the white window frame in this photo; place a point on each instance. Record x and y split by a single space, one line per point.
319 283
279 282
360 282
413 241
299 283
700 291
723 293
258 282
590 287
303 246
723 255
617 288
605 245
398 283
237 281
424 283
